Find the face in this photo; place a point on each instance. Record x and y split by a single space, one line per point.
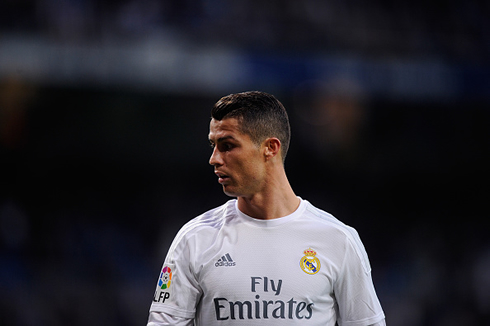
238 162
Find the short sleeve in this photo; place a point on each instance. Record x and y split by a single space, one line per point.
354 291
162 319
177 291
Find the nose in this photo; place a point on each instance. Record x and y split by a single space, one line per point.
215 158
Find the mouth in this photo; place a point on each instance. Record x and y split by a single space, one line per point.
221 177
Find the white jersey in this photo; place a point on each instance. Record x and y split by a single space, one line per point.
307 268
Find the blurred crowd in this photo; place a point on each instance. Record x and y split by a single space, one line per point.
454 29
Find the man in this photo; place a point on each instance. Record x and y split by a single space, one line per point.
267 257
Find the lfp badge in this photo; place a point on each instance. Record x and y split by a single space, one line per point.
162 292
165 278
310 264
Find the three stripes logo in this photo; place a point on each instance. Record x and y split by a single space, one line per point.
225 260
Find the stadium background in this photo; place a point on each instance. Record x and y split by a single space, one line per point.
104 109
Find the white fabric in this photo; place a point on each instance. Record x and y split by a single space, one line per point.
228 268
163 319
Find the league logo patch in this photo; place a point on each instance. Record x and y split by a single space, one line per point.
165 278
163 291
310 264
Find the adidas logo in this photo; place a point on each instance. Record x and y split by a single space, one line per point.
225 260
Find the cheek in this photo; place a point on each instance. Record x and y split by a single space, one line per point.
247 166
253 170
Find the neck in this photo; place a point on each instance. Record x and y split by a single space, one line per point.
276 200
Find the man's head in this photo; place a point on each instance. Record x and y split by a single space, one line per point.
261 116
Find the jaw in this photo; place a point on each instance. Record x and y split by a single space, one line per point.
247 189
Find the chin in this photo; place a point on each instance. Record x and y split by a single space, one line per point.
230 192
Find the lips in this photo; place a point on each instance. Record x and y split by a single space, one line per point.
221 177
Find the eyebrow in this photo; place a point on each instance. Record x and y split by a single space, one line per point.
222 139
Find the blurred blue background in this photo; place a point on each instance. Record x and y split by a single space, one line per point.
104 110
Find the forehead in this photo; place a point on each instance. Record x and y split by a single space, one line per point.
229 127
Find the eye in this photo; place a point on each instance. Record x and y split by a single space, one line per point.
225 147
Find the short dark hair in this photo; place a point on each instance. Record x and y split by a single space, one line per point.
261 116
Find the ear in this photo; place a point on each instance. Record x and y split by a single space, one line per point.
272 148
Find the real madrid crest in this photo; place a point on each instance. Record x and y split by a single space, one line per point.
310 264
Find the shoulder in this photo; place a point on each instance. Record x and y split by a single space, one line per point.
325 219
339 230
201 233
209 222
